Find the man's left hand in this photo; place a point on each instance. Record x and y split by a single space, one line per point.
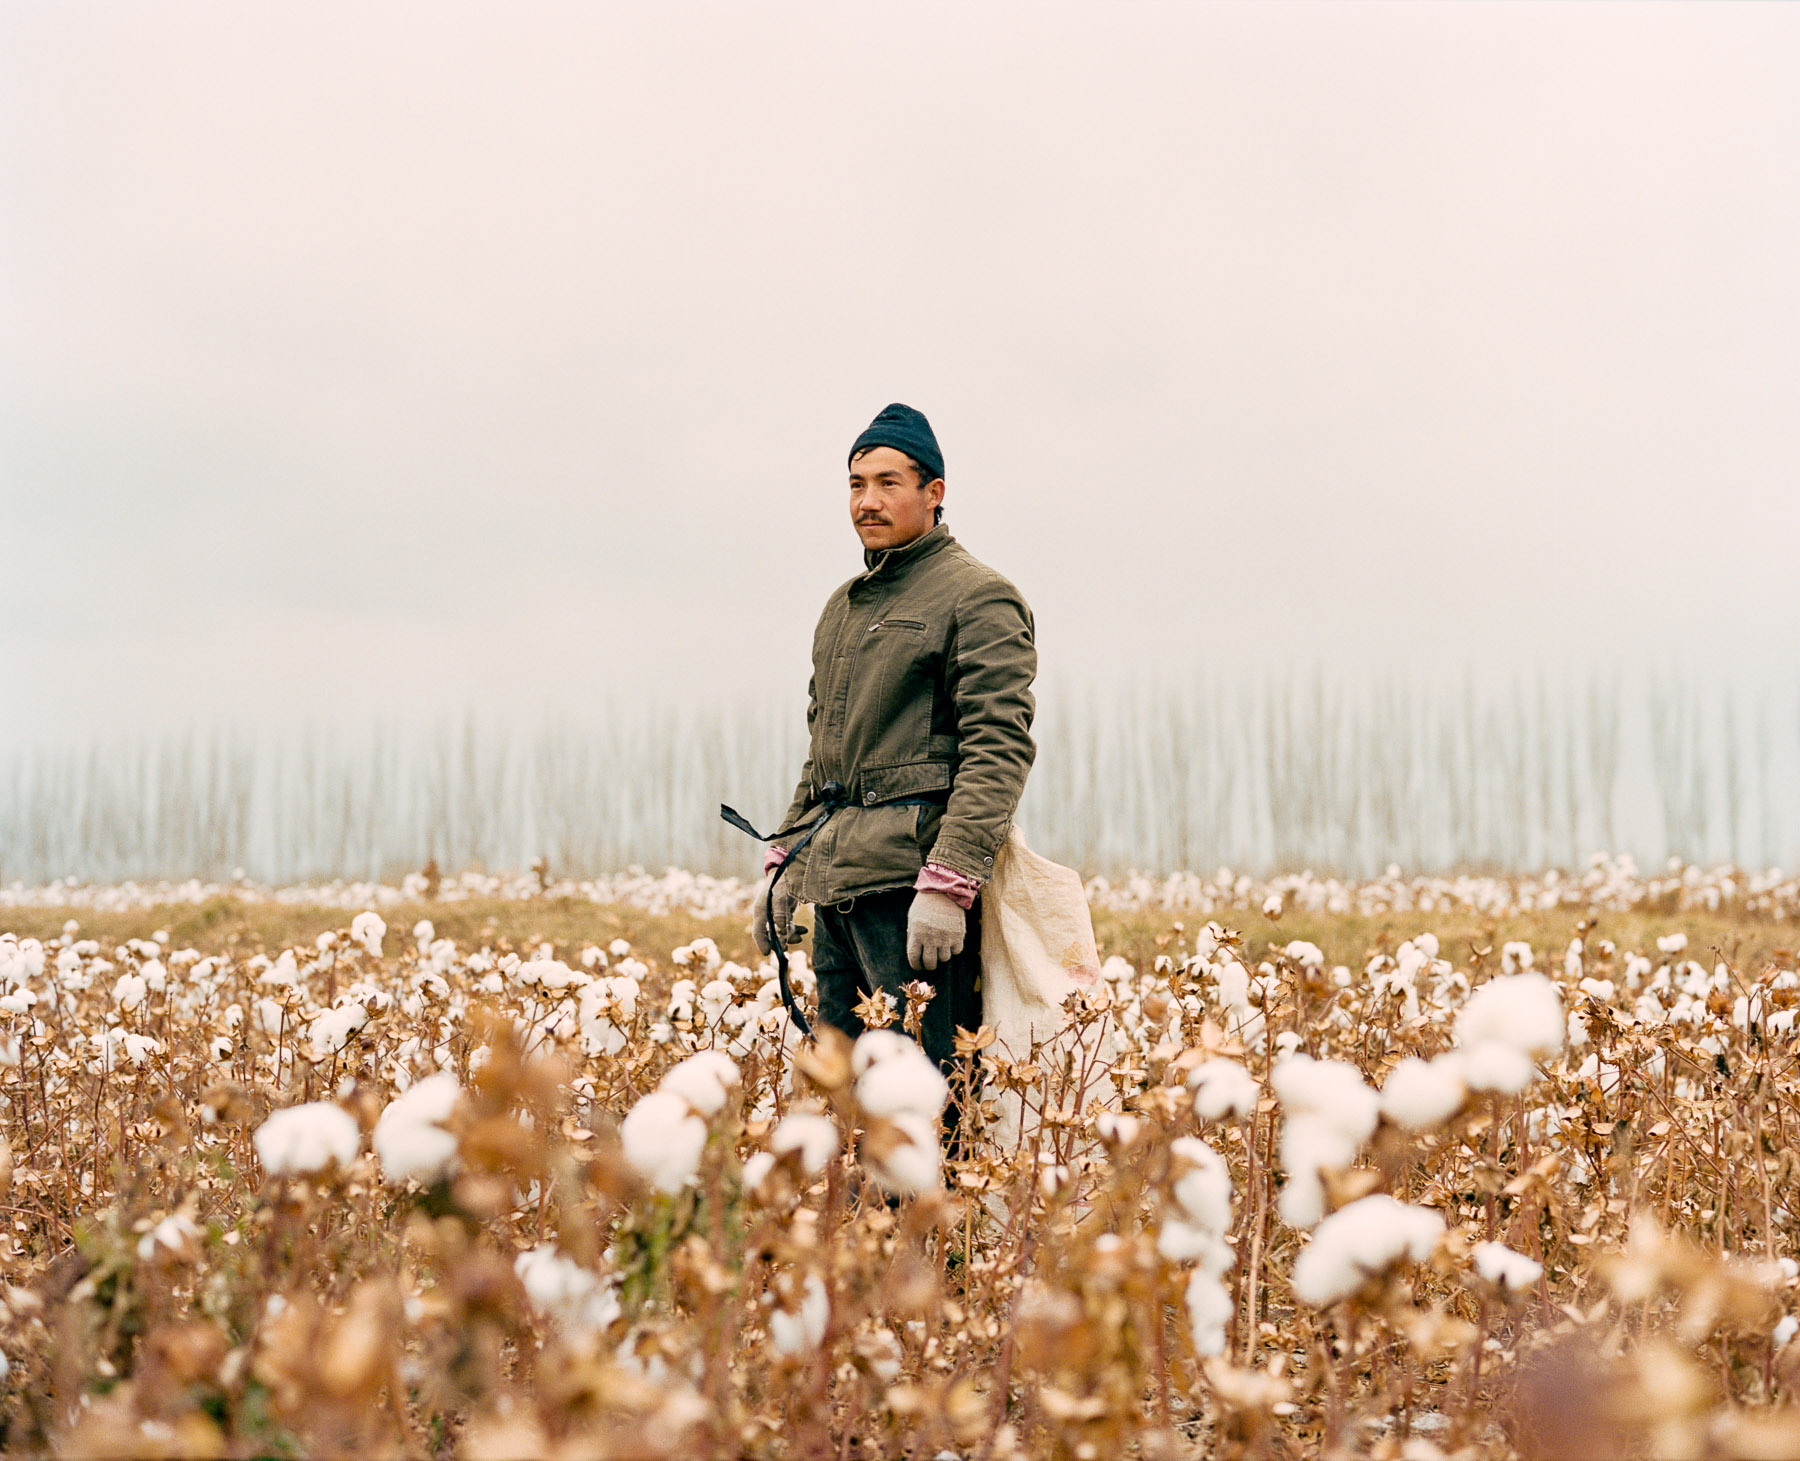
935 927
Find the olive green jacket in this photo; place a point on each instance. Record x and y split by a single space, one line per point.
921 687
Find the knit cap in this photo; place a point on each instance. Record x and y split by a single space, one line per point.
906 430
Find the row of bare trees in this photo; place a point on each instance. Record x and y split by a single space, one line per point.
1306 769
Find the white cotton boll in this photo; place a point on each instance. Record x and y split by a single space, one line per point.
618 948
703 953
897 1077
623 991
1501 1266
1420 1095
880 1351
423 933
1515 957
139 1048
220 1047
128 992
874 1046
1305 954
602 1037
1223 1088
911 1165
801 1332
813 1136
1210 1310
1496 1066
1203 1190
715 999
301 1140
1672 943
1234 985
1182 1242
1331 1090
1302 1200
176 1235
1360 1242
156 976
1272 906
757 1167
1118 1128
368 929
331 1029
283 973
703 1081
1521 1010
578 1302
663 1140
1600 989
546 973
1785 1330
410 1138
1313 1143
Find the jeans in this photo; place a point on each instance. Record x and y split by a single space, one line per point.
861 947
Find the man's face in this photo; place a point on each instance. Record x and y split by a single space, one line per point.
889 505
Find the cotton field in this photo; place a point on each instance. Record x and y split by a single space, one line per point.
1411 1167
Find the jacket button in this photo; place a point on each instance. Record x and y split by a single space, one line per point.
987 860
868 798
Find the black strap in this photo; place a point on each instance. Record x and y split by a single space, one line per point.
834 798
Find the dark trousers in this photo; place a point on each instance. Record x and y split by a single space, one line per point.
860 947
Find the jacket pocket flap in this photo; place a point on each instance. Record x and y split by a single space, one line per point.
885 783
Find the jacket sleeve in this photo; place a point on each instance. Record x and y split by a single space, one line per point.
992 662
803 792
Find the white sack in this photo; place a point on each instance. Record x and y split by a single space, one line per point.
1037 948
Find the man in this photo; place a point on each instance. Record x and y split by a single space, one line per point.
920 707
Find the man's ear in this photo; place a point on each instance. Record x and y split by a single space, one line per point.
934 492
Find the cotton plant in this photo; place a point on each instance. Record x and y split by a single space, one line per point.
1506 1024
251 1043
797 1331
307 1140
664 1134
412 1138
809 1138
1360 1243
1329 1113
897 1082
1195 1223
577 1302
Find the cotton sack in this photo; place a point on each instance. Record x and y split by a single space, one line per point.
1037 948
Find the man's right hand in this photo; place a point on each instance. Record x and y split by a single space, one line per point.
784 916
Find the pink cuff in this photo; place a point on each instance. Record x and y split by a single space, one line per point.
935 878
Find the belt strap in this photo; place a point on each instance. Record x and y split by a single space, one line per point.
834 798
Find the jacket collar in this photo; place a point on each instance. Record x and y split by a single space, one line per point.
887 560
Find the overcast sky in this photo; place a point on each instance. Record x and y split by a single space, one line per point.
372 357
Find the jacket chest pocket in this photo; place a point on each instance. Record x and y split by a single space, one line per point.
893 681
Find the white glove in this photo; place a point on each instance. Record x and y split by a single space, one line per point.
935 926
784 916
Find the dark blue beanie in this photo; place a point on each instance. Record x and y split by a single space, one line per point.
906 430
